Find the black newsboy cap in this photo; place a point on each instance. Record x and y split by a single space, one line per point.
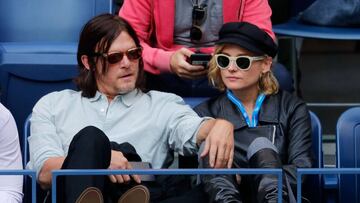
247 36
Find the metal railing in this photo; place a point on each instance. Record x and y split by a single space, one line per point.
278 172
82 172
321 171
30 173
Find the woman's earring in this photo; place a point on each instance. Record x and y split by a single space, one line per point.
261 76
212 82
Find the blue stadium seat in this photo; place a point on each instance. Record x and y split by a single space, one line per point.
38 44
24 145
297 29
26 77
47 21
313 185
27 188
294 28
194 101
347 153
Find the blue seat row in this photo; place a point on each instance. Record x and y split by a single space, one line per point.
329 187
278 172
38 45
346 186
314 193
47 21
27 74
295 28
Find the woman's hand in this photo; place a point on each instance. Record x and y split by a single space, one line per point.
118 161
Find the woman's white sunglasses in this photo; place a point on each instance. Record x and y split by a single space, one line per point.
242 62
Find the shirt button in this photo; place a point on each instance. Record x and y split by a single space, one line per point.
102 110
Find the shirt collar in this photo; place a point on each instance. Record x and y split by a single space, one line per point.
128 99
269 111
96 97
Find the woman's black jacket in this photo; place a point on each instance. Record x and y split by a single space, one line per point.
284 119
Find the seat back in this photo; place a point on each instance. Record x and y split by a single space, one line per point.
43 20
347 153
316 133
25 157
27 187
23 85
24 145
312 186
38 45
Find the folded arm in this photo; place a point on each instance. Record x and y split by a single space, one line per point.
53 163
218 135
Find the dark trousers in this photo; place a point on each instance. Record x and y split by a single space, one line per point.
91 149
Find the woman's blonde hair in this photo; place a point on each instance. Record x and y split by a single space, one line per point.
267 82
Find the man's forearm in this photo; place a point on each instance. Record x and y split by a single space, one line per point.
50 164
204 130
219 144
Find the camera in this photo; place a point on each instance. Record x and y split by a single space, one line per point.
200 59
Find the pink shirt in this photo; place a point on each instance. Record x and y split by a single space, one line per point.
10 158
157 54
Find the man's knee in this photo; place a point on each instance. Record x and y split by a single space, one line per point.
90 148
91 138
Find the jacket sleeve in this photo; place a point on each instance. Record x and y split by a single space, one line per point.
258 12
139 14
300 142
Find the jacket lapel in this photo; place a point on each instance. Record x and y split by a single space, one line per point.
269 111
231 113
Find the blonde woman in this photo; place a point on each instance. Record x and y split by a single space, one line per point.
271 127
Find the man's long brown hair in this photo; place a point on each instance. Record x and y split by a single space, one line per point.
97 36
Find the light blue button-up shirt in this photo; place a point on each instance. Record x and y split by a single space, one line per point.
152 122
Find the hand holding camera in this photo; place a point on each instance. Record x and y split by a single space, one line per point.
181 64
200 59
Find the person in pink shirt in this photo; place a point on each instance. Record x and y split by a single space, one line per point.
171 31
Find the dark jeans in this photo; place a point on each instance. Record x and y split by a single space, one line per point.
91 149
201 87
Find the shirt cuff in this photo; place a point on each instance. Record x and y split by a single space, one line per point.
194 138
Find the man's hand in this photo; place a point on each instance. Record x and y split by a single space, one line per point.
219 144
118 161
45 176
182 68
